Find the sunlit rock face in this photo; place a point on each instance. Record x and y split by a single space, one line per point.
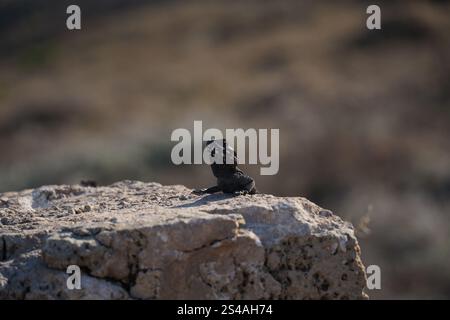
135 240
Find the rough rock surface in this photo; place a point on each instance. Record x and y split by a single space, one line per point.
148 241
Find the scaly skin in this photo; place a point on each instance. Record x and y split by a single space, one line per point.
230 179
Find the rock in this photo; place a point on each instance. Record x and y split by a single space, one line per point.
27 277
147 241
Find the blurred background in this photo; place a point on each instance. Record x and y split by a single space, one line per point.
364 116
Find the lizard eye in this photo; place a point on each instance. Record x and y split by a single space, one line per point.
211 147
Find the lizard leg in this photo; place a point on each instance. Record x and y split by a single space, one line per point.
253 191
248 189
209 190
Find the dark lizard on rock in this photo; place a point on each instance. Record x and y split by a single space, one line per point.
230 179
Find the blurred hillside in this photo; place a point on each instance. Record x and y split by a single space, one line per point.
364 116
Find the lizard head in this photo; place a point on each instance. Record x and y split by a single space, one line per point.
223 149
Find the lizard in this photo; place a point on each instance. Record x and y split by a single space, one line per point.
230 179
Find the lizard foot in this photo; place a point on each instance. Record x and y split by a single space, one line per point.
198 192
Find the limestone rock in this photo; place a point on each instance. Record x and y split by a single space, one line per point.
135 240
